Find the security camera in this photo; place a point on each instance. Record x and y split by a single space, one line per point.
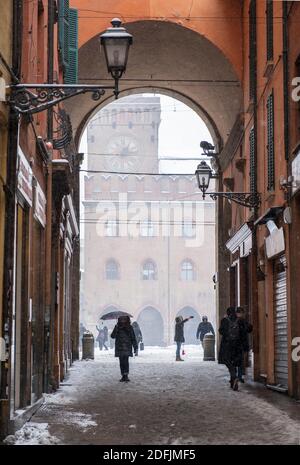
206 146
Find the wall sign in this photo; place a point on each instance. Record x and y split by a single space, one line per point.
275 243
24 177
39 204
296 173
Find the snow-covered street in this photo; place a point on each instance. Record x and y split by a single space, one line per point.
166 402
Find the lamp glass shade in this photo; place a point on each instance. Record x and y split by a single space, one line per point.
203 174
116 42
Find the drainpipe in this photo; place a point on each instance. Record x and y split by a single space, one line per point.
48 317
10 213
286 79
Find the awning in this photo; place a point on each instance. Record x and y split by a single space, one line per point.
242 240
271 214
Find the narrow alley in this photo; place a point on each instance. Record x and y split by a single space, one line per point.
165 403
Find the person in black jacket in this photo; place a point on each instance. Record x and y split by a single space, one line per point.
179 335
231 347
247 328
204 327
125 339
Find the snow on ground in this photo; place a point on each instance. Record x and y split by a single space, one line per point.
32 434
166 402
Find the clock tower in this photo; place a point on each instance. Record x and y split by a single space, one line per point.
123 136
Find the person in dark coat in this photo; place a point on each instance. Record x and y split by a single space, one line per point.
204 327
137 333
231 347
101 338
179 335
125 338
247 328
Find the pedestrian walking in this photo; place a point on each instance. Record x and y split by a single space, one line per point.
204 327
124 336
179 335
231 347
101 338
138 334
247 328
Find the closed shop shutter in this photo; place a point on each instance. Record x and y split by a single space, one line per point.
280 321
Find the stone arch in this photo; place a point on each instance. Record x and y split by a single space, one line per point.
190 327
152 326
171 59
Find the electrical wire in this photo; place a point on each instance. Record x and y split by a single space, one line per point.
135 173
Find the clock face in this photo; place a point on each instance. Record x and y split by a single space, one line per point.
123 153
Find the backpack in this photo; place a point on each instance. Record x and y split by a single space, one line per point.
233 330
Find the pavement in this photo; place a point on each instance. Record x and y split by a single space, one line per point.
165 403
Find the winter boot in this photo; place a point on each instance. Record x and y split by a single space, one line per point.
123 379
235 386
126 379
179 359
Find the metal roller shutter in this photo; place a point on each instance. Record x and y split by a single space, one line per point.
280 322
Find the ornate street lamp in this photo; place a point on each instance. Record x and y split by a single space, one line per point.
204 174
33 98
116 42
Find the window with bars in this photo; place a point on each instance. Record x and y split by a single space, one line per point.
149 272
187 271
270 142
252 161
252 49
269 29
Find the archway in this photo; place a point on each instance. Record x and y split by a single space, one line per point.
205 79
190 328
152 326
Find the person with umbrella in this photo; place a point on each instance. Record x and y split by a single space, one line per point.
125 338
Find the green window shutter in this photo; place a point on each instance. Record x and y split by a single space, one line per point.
270 142
71 74
252 160
269 29
63 31
252 50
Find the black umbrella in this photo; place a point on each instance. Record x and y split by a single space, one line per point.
114 315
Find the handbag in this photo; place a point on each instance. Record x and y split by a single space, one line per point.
141 346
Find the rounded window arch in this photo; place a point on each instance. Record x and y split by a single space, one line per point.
149 270
112 270
187 270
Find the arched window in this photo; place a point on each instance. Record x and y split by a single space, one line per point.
112 270
149 271
187 271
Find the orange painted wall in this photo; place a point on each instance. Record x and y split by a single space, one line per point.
218 20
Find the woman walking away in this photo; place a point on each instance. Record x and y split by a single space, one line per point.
179 335
125 339
231 347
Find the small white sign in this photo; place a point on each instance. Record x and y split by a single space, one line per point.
24 177
274 243
2 350
40 205
296 173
